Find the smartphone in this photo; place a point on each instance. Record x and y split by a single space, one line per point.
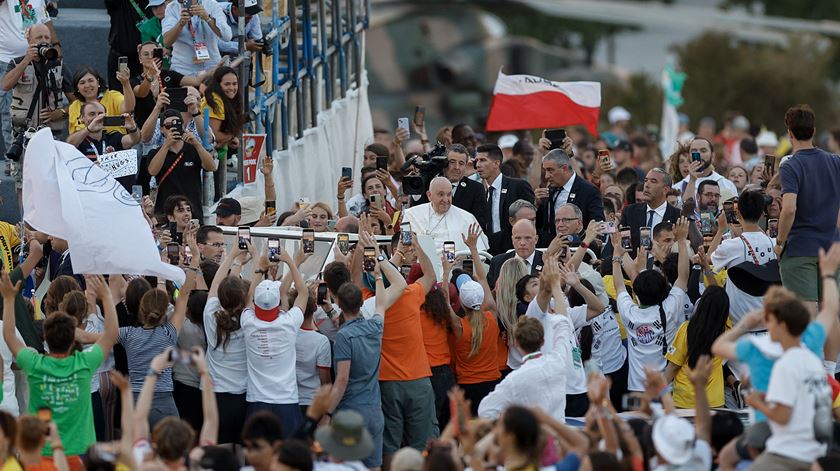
369 259
403 124
449 250
303 202
331 224
347 173
563 253
113 121
626 241
645 239
769 164
344 243
157 53
187 255
322 293
273 250
137 192
173 252
772 228
695 156
122 64
181 356
244 234
45 414
376 201
729 210
178 126
468 266
177 95
631 402
706 226
556 136
609 227
308 241
382 163
271 208
173 232
405 233
604 157
419 115
405 270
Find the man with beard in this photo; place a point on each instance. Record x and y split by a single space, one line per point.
702 171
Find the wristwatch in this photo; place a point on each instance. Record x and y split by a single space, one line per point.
380 258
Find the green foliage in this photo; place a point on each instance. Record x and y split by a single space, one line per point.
640 94
758 81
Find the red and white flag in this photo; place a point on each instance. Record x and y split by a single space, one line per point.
529 102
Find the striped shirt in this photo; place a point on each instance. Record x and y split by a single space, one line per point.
141 346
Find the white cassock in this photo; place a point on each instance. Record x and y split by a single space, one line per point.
445 227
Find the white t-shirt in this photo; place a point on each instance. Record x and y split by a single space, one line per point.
725 185
607 349
271 355
798 381
325 324
701 458
575 375
732 252
13 25
95 324
9 403
645 339
313 352
224 363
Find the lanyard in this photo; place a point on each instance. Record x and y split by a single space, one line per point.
752 252
171 168
531 357
93 146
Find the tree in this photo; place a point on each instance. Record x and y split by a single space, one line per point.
639 94
758 81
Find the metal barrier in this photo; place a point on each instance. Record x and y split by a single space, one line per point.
317 49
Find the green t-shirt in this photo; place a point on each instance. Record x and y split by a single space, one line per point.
63 385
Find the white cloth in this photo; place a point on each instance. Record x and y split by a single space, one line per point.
224 362
726 186
645 334
565 346
798 381
13 43
9 403
732 252
312 352
449 227
270 348
494 214
535 383
607 349
183 49
68 196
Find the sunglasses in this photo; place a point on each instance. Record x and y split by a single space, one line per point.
171 124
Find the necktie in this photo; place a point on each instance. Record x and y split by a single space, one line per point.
650 218
490 190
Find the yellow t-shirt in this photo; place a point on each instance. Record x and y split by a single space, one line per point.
220 115
610 290
8 240
112 101
683 389
11 464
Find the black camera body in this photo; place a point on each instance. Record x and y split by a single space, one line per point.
47 52
429 165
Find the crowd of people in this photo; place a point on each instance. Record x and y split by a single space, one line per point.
681 311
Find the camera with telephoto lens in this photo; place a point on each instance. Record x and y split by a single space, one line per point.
15 151
47 52
429 165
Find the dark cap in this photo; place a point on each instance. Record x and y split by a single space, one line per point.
228 207
624 145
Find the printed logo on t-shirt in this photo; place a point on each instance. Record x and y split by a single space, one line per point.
189 163
645 334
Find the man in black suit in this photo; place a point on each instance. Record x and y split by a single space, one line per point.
525 248
501 192
64 265
564 187
654 210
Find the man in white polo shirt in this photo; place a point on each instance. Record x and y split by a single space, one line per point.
270 346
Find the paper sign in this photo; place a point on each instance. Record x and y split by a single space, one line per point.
254 149
119 164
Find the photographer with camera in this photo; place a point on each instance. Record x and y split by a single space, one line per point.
36 84
253 31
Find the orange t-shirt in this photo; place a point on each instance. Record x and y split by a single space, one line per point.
483 366
403 353
367 294
436 340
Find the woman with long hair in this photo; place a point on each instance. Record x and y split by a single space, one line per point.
693 339
511 272
520 440
316 215
90 87
222 98
226 360
56 292
678 163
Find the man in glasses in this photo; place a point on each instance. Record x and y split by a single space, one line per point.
211 243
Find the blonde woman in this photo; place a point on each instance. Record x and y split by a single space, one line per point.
511 272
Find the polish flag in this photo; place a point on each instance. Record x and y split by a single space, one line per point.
529 102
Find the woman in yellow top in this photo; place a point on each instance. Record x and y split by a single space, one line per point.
693 339
89 87
222 98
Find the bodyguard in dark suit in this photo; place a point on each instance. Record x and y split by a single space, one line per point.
525 248
564 187
468 194
501 192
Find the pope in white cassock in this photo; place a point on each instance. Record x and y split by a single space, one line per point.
440 220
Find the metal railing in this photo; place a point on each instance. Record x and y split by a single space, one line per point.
317 49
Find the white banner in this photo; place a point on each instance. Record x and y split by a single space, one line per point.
121 163
68 196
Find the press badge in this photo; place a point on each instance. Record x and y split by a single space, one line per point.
201 52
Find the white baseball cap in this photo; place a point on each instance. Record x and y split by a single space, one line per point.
673 438
471 294
766 139
618 113
507 141
267 300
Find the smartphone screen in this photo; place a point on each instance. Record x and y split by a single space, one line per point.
419 115
769 164
271 208
449 250
556 136
308 241
322 293
645 239
113 121
772 228
370 259
382 163
729 210
274 250
137 192
347 173
706 223
604 157
405 233
173 252
467 266
344 243
122 64
244 234
402 123
695 156
626 242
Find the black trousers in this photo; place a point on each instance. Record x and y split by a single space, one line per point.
231 416
442 381
478 391
188 402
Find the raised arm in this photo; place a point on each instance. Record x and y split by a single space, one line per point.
454 320
594 306
148 128
208 163
724 346
683 263
112 328
144 400
471 240
126 416
156 164
829 262
210 428
703 418
128 102
617 274
223 270
9 292
302 291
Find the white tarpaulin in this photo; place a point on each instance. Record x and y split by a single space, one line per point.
68 196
